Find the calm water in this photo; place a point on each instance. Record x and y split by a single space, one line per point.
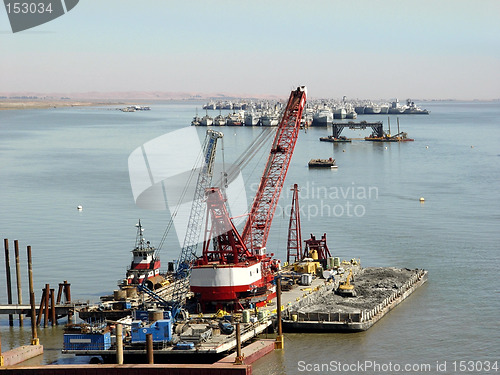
53 160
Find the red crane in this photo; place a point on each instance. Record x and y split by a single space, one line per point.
236 269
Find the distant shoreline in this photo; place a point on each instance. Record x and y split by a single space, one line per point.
9 104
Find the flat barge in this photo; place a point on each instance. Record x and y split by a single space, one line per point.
400 137
323 163
378 291
332 139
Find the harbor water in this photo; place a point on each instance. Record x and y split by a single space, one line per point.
53 160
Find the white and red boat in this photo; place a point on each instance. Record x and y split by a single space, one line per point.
145 266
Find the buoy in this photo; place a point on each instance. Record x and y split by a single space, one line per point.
426 146
79 207
343 150
422 199
471 146
386 147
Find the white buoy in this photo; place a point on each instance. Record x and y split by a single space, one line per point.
79 207
386 147
426 146
422 199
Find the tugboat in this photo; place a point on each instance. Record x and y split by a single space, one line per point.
323 163
145 266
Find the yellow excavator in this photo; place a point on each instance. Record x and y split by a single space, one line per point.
346 289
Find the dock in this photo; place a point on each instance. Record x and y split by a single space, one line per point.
213 347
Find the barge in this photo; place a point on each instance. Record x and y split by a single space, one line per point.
323 163
378 291
332 139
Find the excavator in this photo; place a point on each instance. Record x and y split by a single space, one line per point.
346 289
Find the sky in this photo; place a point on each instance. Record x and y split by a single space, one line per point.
368 49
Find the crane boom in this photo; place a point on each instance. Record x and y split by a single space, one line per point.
258 224
195 222
188 253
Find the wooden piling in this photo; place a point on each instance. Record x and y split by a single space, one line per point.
280 344
67 294
119 344
41 308
149 348
53 318
9 281
18 280
239 357
46 306
34 334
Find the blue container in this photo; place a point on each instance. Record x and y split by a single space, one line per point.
140 315
161 331
101 341
184 345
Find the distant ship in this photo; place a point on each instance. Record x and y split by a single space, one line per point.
412 109
219 120
396 108
323 117
235 119
196 120
269 119
372 109
251 119
339 113
206 120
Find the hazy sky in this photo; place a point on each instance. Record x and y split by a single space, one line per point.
359 48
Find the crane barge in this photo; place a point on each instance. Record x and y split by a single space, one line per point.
235 271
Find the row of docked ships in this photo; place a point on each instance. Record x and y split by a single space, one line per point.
317 113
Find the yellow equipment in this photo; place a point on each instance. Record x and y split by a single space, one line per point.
346 289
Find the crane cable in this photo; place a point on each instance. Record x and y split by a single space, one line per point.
181 198
241 162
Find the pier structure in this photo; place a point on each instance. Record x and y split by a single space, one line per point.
25 352
338 127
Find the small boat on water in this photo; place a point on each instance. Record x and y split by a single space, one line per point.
340 139
323 163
